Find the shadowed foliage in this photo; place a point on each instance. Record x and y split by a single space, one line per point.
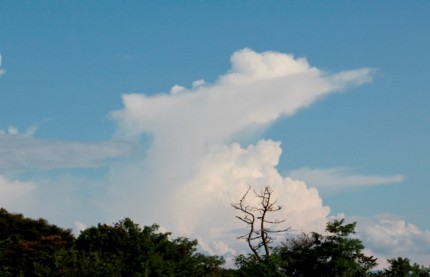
31 247
35 248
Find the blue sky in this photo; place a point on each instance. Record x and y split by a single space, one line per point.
326 101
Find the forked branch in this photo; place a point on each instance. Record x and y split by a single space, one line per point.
258 238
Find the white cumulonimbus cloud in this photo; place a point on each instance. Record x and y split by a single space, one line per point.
194 166
193 169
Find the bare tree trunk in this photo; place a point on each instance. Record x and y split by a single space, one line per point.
262 235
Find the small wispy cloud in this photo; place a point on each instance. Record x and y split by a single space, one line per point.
341 178
127 57
2 70
22 152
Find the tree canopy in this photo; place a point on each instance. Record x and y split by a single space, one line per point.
33 247
402 267
36 248
334 254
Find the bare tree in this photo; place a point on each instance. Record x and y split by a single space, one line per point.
258 235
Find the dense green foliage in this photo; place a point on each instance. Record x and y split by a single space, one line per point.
250 265
402 267
334 254
31 247
35 248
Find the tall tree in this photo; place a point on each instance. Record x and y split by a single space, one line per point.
256 218
335 254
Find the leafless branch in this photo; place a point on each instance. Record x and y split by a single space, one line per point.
261 235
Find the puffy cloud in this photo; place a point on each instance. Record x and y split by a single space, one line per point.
79 227
224 176
193 169
12 130
258 89
197 204
14 192
341 178
389 236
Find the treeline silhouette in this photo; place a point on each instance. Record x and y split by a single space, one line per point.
30 247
